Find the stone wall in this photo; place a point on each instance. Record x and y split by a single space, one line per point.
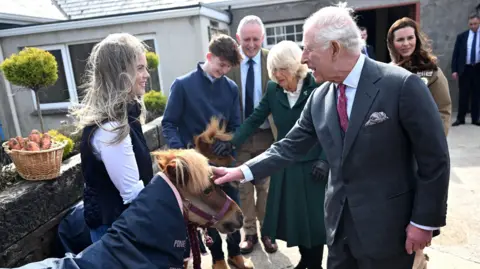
31 210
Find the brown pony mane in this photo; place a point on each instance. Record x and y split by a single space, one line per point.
216 129
186 168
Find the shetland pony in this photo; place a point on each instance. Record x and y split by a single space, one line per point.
151 232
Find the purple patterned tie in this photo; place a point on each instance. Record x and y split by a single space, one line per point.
342 107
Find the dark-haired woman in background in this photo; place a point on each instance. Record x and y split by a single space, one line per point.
409 48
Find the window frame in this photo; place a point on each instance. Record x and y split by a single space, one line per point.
72 89
282 24
69 75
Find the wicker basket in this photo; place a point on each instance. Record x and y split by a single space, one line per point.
38 165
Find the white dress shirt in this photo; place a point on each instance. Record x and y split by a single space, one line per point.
469 47
293 96
257 73
119 160
351 83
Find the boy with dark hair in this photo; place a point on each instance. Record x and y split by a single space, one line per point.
203 93
194 99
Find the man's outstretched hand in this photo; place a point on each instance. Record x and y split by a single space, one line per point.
417 239
223 175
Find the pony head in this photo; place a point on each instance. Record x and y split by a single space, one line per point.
191 174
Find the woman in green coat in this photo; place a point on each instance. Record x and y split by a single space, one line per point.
295 200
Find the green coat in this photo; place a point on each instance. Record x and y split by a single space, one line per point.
294 210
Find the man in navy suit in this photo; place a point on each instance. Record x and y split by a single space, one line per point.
368 49
466 69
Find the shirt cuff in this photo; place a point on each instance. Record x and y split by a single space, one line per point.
247 173
426 228
133 192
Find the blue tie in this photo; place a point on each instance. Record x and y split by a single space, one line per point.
249 86
473 52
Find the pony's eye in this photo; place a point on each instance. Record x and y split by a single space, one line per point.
208 190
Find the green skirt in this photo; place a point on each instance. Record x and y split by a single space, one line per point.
295 211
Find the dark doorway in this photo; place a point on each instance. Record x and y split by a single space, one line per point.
378 21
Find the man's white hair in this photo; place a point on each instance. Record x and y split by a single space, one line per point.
250 19
336 23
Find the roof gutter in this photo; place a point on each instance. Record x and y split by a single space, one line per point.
118 19
23 19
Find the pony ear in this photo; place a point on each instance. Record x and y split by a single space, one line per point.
173 174
162 160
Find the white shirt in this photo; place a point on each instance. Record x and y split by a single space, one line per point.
469 47
119 160
351 83
293 96
257 74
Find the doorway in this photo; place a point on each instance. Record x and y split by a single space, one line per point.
378 20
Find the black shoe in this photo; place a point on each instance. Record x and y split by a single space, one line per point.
457 122
476 123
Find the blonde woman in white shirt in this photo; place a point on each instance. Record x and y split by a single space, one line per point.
294 211
116 163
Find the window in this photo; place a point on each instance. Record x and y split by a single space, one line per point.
62 92
154 81
277 32
72 60
79 54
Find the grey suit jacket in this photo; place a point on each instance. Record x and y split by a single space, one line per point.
391 172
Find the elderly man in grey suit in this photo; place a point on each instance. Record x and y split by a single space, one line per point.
385 144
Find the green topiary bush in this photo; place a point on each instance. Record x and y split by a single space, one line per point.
152 62
31 68
155 102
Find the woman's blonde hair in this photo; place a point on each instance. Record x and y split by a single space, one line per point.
286 55
109 88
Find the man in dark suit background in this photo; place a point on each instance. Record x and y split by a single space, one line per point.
381 131
368 49
466 69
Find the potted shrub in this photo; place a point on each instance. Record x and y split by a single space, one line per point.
155 102
38 156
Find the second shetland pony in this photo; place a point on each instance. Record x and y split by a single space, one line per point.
216 130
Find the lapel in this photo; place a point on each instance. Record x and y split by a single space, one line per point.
308 85
364 97
331 115
265 78
237 78
465 40
282 97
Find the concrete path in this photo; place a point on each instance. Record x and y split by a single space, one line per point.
458 246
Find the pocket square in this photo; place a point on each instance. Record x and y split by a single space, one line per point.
376 117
